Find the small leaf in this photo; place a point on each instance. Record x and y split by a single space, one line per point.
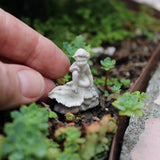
125 82
94 71
69 156
100 81
52 114
74 46
106 93
73 134
138 112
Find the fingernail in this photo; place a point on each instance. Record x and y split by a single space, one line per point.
32 83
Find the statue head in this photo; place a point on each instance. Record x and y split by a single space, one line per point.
81 53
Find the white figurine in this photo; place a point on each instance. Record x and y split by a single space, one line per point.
79 94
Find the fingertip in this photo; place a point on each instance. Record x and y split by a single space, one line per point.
19 85
61 64
31 83
49 59
65 64
49 85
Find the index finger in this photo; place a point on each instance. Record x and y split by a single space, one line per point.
20 43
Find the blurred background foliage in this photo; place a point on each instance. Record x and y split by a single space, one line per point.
101 22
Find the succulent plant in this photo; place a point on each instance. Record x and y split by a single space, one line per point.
70 117
130 103
107 64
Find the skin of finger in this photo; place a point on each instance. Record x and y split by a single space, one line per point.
49 85
11 96
22 44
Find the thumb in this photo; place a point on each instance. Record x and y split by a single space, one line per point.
19 85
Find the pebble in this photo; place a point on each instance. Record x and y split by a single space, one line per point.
108 51
98 50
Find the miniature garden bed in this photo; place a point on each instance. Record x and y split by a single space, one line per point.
132 64
135 65
139 67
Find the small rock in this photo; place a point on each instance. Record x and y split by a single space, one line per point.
138 32
110 51
134 45
145 49
98 50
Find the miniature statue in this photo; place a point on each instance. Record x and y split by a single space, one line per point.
78 94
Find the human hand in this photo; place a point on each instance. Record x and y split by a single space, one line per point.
28 62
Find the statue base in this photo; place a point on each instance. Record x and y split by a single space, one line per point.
87 104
